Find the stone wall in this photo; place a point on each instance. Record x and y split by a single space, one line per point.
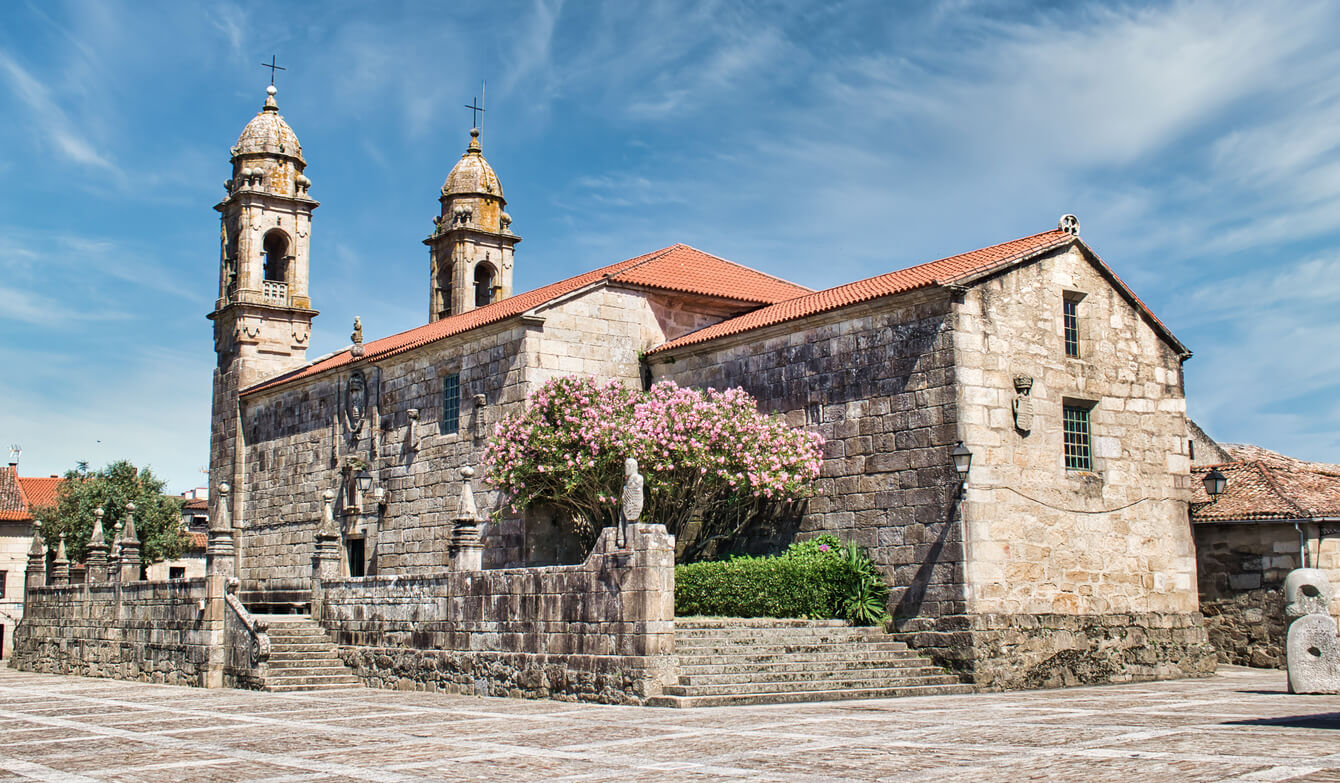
298 442
876 382
601 631
1016 651
1242 568
166 632
1042 538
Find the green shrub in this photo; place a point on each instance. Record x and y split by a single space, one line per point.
818 579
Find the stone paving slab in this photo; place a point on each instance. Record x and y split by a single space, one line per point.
1237 726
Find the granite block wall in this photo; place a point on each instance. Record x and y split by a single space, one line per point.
163 632
877 382
601 630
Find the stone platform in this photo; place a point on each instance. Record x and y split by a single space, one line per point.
1239 725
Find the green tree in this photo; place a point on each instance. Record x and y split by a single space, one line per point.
158 522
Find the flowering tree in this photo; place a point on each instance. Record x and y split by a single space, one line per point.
713 464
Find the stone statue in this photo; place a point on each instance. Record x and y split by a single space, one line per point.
631 507
1023 403
357 338
1312 647
632 491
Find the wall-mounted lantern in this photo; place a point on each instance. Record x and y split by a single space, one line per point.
962 460
1215 483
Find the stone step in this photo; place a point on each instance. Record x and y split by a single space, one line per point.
907 660
310 679
756 622
736 640
788 648
797 686
741 699
847 632
891 675
325 686
307 671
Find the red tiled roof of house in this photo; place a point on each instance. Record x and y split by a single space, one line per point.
195 504
1265 485
13 505
197 541
960 269
40 491
676 268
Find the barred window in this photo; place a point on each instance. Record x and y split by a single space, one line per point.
1070 314
1078 450
451 404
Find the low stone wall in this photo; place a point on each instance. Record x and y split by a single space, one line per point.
149 631
601 630
1241 577
1020 651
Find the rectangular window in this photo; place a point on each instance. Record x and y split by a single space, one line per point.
176 572
1078 449
1070 312
4 577
451 404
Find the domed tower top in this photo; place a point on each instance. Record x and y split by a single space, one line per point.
472 239
268 156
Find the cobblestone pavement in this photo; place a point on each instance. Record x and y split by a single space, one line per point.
1238 726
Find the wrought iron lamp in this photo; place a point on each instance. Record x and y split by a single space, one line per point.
1215 483
962 460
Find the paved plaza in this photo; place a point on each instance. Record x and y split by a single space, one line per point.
1238 726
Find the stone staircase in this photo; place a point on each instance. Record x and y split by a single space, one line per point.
731 661
302 657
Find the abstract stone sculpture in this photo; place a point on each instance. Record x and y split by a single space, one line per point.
1312 647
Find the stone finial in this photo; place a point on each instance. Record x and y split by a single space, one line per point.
1069 224
128 535
97 537
225 508
632 491
37 549
96 558
328 528
467 550
467 510
1312 646
60 567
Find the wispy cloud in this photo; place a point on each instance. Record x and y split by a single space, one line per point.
49 120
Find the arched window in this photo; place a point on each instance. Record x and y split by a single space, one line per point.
276 256
483 285
444 289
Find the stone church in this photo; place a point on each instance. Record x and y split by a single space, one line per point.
1058 551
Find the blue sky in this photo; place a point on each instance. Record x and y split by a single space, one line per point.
822 142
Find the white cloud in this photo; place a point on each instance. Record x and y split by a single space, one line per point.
49 120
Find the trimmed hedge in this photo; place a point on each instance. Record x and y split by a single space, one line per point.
815 579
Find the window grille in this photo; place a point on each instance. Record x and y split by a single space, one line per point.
1070 312
1078 450
451 404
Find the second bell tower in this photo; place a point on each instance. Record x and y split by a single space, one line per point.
470 250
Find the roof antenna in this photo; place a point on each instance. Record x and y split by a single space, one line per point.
483 101
14 452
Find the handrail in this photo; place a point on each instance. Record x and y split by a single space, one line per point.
260 640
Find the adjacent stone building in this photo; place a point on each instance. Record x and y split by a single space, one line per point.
1063 554
19 495
1276 514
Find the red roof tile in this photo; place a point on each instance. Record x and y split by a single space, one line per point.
1265 485
959 269
13 505
195 504
40 491
197 541
676 268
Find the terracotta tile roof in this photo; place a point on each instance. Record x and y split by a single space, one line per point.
1265 485
954 270
197 542
40 491
195 504
675 268
13 505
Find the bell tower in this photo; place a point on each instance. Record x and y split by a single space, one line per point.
263 313
470 250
